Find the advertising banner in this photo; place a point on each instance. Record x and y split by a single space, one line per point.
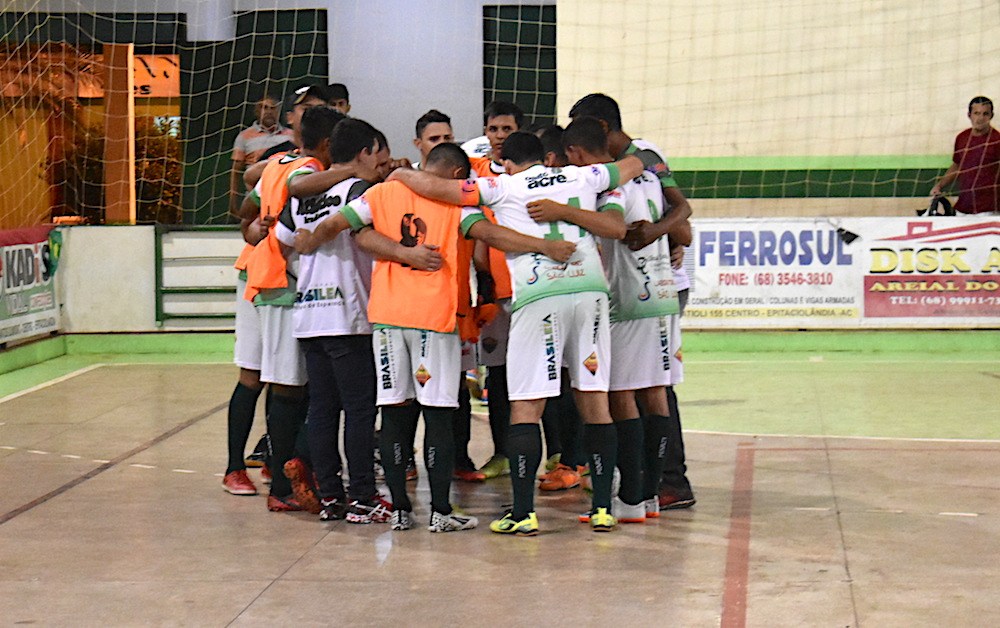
845 273
28 303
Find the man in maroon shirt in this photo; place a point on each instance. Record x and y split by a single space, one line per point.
975 163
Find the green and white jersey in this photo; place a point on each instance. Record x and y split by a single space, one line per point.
653 159
331 293
535 276
641 282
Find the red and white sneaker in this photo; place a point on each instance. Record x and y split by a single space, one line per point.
374 510
239 483
652 508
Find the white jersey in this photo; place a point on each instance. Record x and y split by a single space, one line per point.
666 176
333 283
477 146
535 276
641 282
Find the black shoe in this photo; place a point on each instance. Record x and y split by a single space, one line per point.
332 509
258 458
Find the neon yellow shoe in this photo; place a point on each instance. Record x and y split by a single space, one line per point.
602 521
508 525
495 467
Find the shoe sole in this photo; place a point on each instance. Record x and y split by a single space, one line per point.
679 505
253 464
602 528
653 515
560 488
244 492
516 532
633 520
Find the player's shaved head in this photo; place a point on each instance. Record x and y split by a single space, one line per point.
523 148
600 106
449 157
586 132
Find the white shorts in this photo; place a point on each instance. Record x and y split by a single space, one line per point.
414 363
470 356
249 345
566 329
676 355
640 353
493 337
282 361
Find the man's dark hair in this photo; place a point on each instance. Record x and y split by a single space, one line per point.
551 137
317 124
587 133
980 100
350 137
337 91
306 91
431 117
600 106
522 148
451 156
503 108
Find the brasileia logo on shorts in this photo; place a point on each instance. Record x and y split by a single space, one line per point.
548 330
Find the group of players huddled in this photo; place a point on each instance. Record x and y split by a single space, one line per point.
552 258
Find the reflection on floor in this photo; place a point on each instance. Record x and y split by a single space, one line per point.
113 514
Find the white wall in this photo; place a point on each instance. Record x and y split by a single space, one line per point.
107 279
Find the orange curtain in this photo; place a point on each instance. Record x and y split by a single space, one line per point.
24 192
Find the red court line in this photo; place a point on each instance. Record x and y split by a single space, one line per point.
734 596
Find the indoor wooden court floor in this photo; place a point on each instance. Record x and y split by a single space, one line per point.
832 491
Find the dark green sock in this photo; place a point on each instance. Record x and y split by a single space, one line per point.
242 405
655 446
524 448
439 455
283 423
601 443
396 445
630 460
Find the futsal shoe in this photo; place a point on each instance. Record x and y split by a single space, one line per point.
451 522
508 525
283 504
600 520
628 513
265 475
495 467
560 479
332 509
652 508
411 471
401 520
469 475
552 462
258 457
675 500
238 483
303 487
372 510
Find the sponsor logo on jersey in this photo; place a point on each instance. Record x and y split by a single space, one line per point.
640 265
329 293
545 180
316 207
